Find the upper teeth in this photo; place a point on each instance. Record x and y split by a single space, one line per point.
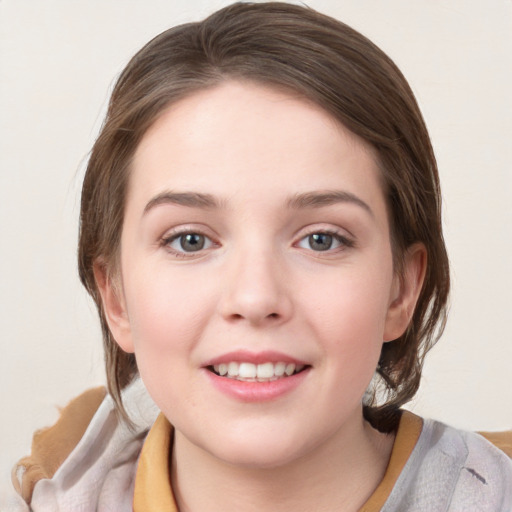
256 371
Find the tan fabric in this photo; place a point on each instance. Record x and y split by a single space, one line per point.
503 440
51 446
153 492
409 431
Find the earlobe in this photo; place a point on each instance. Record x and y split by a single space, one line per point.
114 307
406 290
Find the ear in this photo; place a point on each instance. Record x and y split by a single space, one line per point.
405 292
114 307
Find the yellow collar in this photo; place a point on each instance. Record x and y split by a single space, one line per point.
153 492
407 436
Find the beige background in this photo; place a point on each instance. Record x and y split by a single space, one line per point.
57 63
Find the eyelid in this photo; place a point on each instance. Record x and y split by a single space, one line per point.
346 239
175 233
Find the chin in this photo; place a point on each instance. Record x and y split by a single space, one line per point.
258 451
258 458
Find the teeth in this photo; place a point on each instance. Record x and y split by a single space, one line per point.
279 369
247 371
257 372
232 369
265 371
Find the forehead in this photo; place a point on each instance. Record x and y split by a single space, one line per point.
242 136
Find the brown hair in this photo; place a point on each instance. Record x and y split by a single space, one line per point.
325 61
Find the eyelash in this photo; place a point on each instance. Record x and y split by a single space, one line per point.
344 241
166 241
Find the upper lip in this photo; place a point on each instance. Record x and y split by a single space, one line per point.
246 356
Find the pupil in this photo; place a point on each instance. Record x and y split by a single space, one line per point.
320 241
192 242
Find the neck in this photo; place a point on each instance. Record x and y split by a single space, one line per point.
340 475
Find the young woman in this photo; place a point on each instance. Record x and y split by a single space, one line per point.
261 232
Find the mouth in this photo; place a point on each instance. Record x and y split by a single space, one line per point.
250 372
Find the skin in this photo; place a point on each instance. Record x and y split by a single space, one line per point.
259 285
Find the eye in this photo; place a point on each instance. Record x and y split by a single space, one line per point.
323 241
187 242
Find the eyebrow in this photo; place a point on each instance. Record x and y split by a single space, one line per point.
326 198
190 199
296 202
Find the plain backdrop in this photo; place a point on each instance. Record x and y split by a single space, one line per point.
58 61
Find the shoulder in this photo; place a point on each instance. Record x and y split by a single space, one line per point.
485 479
502 440
90 454
453 470
52 445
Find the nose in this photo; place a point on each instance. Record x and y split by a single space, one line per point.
255 290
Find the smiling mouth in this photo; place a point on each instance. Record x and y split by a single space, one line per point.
249 372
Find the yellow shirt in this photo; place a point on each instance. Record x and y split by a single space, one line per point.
60 453
153 492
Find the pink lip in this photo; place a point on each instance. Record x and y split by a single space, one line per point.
245 356
253 392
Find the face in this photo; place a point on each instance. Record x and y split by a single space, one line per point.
256 276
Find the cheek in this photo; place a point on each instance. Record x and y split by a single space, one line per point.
167 315
349 318
166 311
355 303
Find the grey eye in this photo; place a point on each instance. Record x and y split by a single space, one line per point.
320 241
189 242
323 241
192 242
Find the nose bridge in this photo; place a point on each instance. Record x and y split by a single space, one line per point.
255 285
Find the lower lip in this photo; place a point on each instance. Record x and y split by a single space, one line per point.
257 391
